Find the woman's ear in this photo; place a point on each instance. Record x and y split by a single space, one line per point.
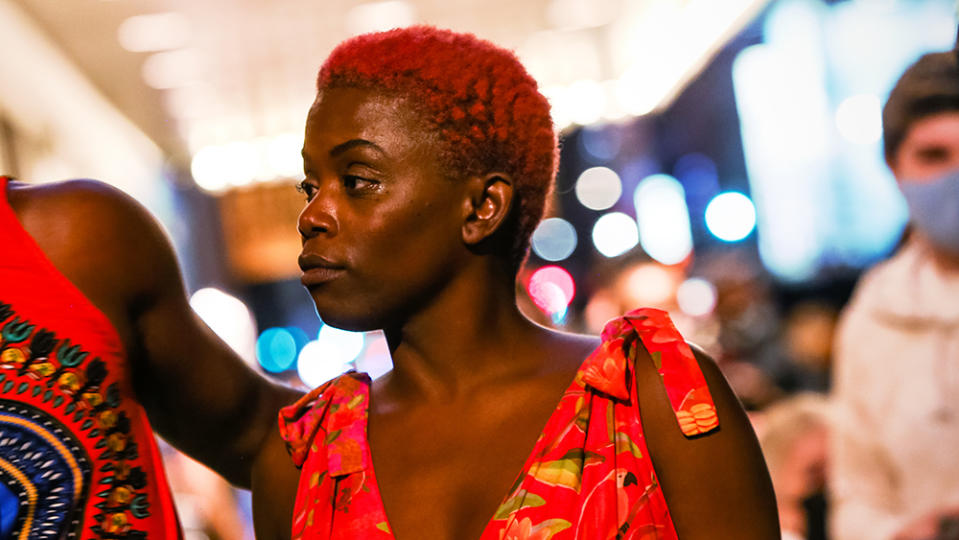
487 207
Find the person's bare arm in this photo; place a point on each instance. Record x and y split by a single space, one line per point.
716 485
197 392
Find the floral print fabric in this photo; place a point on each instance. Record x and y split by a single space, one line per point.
589 475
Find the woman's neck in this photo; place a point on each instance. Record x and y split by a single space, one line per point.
466 337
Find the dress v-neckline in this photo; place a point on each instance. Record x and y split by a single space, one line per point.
527 463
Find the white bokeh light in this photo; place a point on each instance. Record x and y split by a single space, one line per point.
663 219
216 168
378 16
314 367
375 360
614 234
598 188
554 239
340 345
585 101
229 318
696 297
859 119
730 216
154 32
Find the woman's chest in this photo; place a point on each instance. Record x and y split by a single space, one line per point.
445 474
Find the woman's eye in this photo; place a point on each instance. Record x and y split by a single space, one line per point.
307 189
358 182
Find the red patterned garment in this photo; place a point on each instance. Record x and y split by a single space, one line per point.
589 476
77 455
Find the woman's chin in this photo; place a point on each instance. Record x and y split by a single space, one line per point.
351 322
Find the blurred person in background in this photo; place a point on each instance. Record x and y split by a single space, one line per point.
95 328
808 339
428 156
896 472
794 434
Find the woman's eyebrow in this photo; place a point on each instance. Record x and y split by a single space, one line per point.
353 143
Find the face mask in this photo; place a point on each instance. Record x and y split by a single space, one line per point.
934 209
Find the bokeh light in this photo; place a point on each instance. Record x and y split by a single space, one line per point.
615 233
216 168
696 297
229 318
859 119
340 344
552 289
586 101
315 367
554 239
598 188
663 219
276 349
650 284
730 216
331 354
375 360
601 143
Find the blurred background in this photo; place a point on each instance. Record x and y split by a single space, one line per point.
721 159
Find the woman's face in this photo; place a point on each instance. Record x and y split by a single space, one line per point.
381 228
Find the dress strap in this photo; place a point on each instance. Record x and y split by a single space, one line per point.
610 368
339 409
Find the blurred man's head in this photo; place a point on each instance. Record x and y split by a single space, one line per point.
921 144
921 118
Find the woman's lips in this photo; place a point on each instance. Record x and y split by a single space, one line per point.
318 270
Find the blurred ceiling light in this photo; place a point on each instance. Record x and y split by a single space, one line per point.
657 47
556 95
598 188
635 94
283 155
189 102
663 218
154 32
571 14
562 56
218 167
586 101
379 16
172 69
859 119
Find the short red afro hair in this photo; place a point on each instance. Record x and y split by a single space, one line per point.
485 106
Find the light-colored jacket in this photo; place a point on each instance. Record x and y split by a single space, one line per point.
895 451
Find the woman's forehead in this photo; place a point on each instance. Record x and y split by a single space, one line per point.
366 114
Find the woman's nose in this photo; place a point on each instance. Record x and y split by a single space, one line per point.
318 216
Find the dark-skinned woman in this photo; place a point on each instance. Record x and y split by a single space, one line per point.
428 158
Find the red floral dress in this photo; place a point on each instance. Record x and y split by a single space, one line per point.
589 475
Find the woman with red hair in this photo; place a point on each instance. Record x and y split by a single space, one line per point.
428 157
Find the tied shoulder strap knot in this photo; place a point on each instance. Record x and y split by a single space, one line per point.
334 414
610 369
